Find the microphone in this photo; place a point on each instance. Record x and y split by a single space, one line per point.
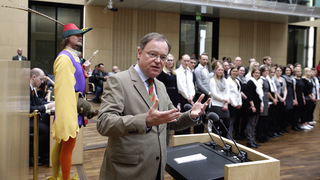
211 143
187 107
242 155
213 117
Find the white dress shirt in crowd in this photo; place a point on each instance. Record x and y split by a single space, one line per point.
185 82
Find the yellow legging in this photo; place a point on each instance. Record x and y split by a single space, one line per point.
61 156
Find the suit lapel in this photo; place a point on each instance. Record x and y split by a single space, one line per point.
139 86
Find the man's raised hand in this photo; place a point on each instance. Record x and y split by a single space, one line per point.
155 117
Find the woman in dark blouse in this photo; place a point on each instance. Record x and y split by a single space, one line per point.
309 98
291 99
242 119
254 97
169 79
299 109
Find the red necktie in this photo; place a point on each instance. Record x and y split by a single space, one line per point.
151 93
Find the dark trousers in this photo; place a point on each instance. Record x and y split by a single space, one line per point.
308 113
261 127
281 119
288 116
44 134
272 114
241 119
199 128
183 101
297 114
98 92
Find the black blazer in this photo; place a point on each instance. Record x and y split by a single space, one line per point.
17 58
36 103
253 96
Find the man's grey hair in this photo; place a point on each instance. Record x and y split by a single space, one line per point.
153 36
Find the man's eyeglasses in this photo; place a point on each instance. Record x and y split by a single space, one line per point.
153 55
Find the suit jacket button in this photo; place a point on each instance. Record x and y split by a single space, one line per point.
157 158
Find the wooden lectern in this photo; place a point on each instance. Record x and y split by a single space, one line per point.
260 167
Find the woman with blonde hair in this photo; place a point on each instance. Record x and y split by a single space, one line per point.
251 67
220 95
299 109
169 79
309 98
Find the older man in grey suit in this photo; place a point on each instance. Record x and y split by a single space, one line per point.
135 112
201 74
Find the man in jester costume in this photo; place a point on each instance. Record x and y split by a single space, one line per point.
69 86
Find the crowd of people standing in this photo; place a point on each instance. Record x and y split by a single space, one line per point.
257 102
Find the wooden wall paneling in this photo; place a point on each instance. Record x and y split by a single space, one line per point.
263 40
246 41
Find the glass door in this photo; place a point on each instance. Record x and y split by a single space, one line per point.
197 37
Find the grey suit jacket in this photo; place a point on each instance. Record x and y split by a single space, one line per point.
133 153
202 81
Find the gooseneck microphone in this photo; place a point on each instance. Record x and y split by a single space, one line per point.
212 143
215 118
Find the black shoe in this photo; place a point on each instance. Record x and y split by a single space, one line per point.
276 134
280 133
285 130
256 143
295 129
251 144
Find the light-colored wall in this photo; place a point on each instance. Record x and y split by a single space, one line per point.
253 39
14 119
117 34
78 2
14 30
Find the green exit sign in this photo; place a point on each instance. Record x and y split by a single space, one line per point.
198 17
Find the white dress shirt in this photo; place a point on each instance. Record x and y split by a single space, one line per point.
185 82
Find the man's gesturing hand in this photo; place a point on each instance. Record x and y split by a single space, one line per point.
198 108
155 117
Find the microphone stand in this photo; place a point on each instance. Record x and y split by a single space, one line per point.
226 147
211 143
242 155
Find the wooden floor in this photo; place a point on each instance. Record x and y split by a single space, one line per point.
298 152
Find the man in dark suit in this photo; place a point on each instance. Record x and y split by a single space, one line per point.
135 112
37 77
19 57
98 77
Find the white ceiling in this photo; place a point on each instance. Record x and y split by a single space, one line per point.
269 11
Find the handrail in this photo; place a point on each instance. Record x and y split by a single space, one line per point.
36 115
